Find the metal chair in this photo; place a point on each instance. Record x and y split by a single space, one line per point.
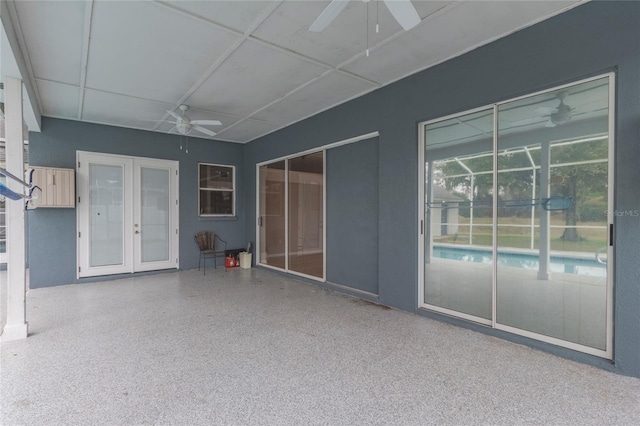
210 246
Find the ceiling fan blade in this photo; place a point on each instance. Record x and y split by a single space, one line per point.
404 12
174 115
172 129
527 121
328 15
545 110
203 130
207 122
159 121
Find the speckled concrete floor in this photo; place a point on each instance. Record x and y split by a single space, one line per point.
252 347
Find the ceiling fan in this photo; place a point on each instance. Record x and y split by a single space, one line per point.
553 115
184 125
403 10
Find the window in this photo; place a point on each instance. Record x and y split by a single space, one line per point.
217 185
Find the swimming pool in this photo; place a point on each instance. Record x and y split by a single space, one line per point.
563 264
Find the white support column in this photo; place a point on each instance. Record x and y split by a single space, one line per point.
545 241
16 327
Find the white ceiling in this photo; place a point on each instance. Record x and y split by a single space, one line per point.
250 64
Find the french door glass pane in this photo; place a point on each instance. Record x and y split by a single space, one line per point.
106 214
272 214
552 216
459 212
306 241
154 214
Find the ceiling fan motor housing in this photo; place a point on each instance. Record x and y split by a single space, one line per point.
562 115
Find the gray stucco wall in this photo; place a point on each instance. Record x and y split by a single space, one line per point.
588 40
52 232
352 215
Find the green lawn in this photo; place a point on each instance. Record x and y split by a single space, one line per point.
520 237
524 241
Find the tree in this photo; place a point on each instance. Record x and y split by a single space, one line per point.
580 181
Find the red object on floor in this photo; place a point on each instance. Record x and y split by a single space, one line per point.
230 262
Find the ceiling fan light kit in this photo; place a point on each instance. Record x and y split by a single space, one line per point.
183 128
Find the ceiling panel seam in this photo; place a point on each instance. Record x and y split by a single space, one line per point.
255 24
200 18
84 60
313 61
17 30
75 86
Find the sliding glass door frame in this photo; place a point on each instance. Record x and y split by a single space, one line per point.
424 215
287 269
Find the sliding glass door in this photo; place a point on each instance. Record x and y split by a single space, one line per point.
517 230
291 215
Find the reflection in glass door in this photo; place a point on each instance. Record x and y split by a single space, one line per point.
517 234
291 215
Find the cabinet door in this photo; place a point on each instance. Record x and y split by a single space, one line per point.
64 188
43 178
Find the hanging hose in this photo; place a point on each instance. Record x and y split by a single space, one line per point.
34 191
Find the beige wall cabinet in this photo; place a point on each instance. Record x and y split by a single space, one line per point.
58 186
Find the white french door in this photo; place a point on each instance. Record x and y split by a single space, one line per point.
127 214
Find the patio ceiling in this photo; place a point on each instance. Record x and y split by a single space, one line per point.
253 65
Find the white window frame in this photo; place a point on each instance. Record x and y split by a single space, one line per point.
232 190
